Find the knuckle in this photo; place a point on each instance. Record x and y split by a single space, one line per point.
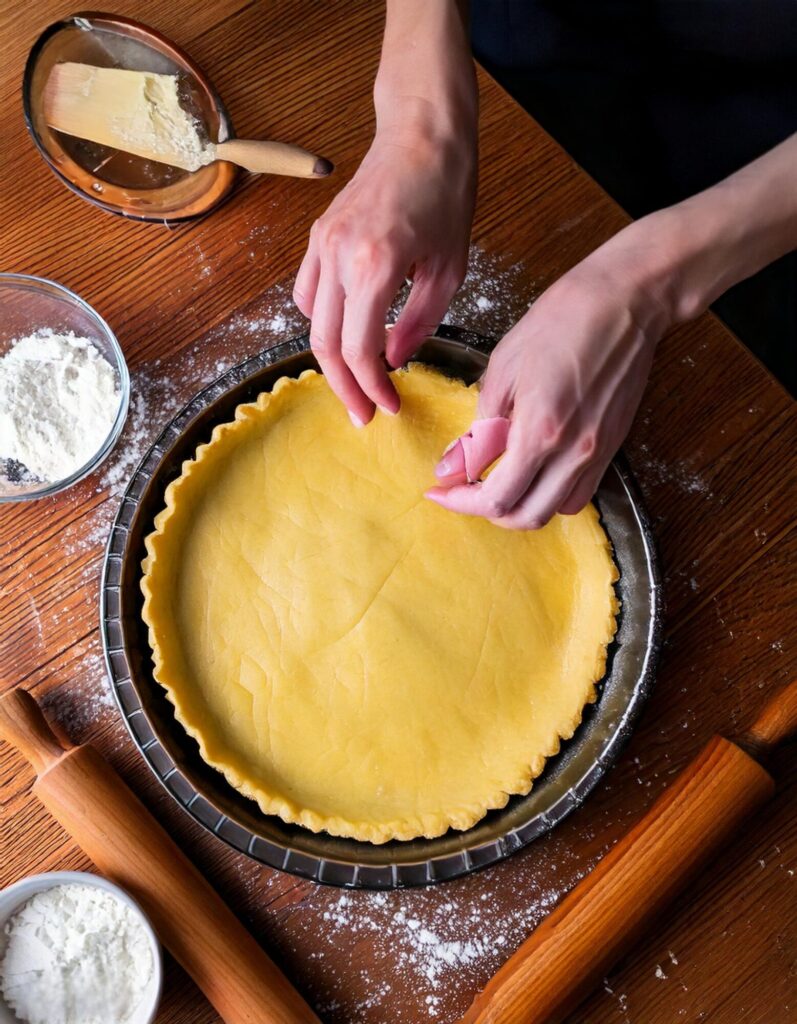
320 344
589 444
496 508
332 235
352 353
550 432
369 256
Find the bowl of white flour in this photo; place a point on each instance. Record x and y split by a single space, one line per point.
76 949
64 388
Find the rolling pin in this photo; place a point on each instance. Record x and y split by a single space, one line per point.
566 957
81 791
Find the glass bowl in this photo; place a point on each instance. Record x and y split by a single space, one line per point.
29 304
120 182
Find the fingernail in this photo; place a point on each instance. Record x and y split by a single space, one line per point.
390 412
443 468
356 420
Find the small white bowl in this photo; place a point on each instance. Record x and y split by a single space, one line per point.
14 896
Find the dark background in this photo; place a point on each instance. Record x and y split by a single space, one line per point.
658 99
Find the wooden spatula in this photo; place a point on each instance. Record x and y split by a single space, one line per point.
140 112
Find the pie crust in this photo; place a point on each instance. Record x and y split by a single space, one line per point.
350 655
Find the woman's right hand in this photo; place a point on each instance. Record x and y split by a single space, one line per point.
406 212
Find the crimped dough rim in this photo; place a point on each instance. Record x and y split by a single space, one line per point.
157 619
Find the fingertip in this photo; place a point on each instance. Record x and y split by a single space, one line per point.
401 345
382 391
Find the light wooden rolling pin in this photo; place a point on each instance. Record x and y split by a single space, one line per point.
119 834
568 954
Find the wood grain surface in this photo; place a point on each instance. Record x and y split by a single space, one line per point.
713 447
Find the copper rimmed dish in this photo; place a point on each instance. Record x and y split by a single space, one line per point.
115 181
174 757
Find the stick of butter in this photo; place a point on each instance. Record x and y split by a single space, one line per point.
138 112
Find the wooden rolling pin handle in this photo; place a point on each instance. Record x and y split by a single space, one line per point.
573 948
776 723
576 945
118 833
273 158
23 725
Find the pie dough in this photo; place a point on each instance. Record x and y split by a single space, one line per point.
350 655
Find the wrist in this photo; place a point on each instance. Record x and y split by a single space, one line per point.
442 111
677 260
698 256
426 82
709 242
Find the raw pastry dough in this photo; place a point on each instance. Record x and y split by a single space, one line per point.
349 654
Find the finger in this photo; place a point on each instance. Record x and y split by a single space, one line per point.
471 454
429 298
325 341
495 395
363 342
502 489
550 490
584 490
306 284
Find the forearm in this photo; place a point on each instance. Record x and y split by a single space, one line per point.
711 241
426 81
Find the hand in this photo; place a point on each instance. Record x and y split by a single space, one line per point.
570 377
406 212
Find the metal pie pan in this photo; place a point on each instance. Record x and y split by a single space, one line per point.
204 792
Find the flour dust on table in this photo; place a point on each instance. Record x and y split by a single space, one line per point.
463 930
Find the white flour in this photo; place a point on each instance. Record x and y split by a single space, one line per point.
76 955
58 401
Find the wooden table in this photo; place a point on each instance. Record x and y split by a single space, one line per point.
713 447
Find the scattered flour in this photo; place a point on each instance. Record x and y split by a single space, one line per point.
76 955
678 473
491 299
422 945
58 401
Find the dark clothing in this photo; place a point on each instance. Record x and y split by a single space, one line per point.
658 99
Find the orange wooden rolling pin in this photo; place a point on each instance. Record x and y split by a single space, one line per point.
568 954
80 789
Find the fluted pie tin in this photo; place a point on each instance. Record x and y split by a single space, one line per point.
204 792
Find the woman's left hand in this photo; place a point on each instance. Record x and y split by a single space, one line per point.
569 376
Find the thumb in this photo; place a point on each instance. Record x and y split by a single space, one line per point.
496 389
466 459
471 454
